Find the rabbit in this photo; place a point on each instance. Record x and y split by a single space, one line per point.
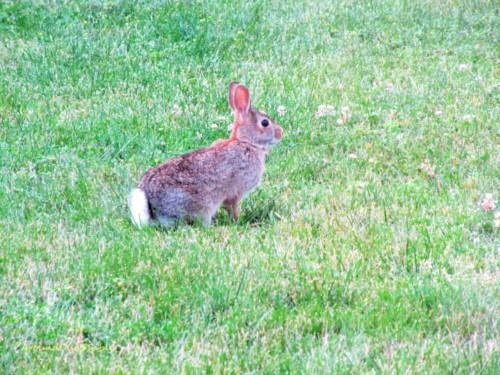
192 187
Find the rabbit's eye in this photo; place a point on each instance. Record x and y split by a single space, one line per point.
264 123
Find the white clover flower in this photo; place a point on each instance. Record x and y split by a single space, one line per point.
488 202
177 111
325 110
429 169
281 110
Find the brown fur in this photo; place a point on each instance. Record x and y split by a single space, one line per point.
194 186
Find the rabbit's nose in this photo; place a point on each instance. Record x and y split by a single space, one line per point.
278 133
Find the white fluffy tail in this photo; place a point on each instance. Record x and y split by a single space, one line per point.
138 204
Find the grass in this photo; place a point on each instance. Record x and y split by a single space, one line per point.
365 249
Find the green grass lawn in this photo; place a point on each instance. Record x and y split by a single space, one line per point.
365 249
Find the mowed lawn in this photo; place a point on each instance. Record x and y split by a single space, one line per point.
370 245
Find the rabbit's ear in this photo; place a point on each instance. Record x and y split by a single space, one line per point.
232 86
241 99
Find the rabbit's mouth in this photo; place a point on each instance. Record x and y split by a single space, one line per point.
275 141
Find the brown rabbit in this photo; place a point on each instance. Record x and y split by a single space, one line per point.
193 186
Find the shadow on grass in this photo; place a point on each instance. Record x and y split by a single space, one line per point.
261 210
257 212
